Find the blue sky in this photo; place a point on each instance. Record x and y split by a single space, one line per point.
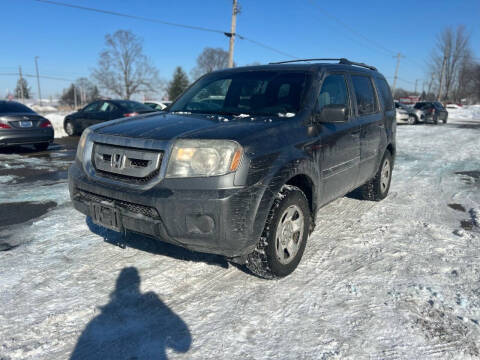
68 41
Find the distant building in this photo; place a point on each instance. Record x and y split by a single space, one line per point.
409 100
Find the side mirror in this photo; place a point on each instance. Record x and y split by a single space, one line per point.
332 113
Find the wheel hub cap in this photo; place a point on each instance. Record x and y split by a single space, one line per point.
289 234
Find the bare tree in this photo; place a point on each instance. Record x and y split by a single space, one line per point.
123 69
452 46
209 60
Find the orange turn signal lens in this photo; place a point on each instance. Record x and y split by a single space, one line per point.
236 160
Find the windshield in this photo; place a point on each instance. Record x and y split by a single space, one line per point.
245 93
14 107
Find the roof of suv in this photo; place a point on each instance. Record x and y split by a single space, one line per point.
311 66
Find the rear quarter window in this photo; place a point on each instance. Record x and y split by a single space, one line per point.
385 94
366 99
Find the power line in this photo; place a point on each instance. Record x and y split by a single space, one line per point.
367 39
267 46
34 76
158 21
143 18
352 30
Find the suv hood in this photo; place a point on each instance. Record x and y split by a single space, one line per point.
169 126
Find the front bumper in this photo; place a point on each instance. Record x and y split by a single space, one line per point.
402 118
24 137
211 221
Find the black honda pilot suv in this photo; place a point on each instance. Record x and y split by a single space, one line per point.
242 161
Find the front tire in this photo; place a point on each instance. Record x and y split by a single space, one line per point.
377 188
412 120
284 237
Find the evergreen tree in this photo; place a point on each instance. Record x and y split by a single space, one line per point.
178 84
68 96
22 84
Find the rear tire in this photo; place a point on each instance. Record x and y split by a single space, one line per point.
41 146
445 121
284 237
70 128
377 188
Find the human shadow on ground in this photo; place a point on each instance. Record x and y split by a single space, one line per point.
158 247
132 326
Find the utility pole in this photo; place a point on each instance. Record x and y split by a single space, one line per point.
441 78
22 95
38 80
416 81
398 56
75 96
231 35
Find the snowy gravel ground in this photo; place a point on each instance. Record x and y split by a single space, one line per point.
399 279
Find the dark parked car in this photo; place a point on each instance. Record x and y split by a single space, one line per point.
241 163
20 125
101 111
434 111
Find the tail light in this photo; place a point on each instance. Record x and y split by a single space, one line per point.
130 114
5 126
46 124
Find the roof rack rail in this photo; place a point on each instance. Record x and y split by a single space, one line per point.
343 61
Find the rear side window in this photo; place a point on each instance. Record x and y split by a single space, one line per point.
366 101
385 94
107 107
334 92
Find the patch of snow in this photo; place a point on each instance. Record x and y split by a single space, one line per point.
44 108
287 115
57 122
6 179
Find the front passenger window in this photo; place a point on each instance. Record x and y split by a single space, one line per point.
91 108
334 92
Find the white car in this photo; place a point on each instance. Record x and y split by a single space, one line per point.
157 105
453 106
408 115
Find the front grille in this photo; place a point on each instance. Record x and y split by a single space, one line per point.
148 211
126 164
126 178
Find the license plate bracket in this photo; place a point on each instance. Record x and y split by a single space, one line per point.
107 216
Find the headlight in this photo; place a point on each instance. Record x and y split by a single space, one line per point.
200 158
82 143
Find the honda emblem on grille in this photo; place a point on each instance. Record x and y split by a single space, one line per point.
117 161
